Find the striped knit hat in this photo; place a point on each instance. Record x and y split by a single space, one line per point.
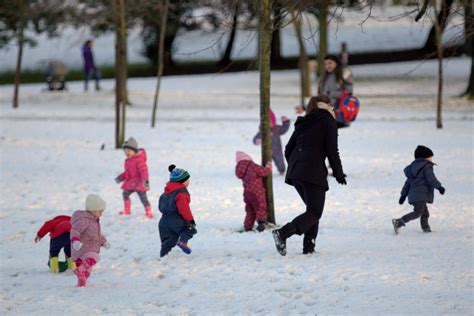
177 174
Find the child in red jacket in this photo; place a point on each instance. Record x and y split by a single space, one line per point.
135 177
177 224
59 229
254 191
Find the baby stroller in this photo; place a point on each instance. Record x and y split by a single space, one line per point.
56 73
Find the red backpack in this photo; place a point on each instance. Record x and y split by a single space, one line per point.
348 108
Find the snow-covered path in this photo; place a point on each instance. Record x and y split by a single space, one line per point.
51 158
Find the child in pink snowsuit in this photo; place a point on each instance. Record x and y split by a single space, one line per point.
254 191
135 177
86 238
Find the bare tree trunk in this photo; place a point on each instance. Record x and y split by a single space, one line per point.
21 43
439 50
123 36
440 20
120 102
265 35
275 57
323 35
225 60
161 50
303 60
469 38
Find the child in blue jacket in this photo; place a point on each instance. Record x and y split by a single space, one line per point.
419 188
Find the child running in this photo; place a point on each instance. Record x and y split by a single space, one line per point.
177 225
419 188
135 177
86 237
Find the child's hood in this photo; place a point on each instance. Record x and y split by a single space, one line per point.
82 215
241 168
415 167
141 154
173 186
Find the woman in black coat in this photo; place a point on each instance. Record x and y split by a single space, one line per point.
314 140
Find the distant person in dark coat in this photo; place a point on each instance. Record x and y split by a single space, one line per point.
419 188
314 140
90 70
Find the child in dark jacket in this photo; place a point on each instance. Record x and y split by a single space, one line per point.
254 192
177 225
135 177
59 229
419 188
276 132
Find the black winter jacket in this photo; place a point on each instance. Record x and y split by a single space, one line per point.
314 139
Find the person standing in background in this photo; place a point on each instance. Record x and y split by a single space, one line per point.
90 70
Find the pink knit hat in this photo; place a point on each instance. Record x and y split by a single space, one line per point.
273 119
241 156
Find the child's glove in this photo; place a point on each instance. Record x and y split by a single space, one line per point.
146 183
76 245
37 238
118 180
402 200
106 245
442 190
192 227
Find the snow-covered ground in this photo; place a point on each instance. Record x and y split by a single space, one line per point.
51 159
383 31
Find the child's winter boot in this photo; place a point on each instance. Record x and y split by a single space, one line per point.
53 265
261 227
81 276
184 247
71 265
127 207
397 224
148 212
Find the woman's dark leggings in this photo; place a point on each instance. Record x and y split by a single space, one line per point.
307 223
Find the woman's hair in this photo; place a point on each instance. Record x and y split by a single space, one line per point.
338 71
313 102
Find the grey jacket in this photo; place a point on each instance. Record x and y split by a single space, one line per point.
332 88
421 181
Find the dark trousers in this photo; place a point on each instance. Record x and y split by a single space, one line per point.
420 209
141 195
307 223
94 73
173 229
58 243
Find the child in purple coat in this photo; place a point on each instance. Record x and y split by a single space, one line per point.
86 237
276 132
